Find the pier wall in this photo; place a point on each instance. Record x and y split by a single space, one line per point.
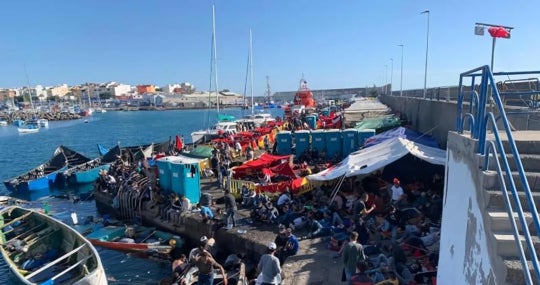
467 252
437 118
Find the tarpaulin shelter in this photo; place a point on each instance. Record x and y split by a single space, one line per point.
380 124
264 161
370 159
283 169
404 133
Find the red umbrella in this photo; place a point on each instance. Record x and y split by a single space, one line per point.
499 32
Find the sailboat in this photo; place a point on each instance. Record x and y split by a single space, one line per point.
260 118
226 124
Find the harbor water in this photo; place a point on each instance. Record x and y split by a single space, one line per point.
24 152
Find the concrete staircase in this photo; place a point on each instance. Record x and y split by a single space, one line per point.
528 144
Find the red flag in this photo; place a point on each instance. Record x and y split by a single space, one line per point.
179 143
499 32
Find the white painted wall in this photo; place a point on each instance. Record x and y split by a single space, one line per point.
464 254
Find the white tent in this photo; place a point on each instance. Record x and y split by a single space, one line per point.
375 157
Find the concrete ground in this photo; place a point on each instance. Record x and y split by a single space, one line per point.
314 264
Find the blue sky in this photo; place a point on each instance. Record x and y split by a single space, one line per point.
334 44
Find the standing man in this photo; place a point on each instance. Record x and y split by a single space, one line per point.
230 207
269 267
290 248
353 252
397 192
206 264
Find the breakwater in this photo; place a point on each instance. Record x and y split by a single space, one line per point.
25 115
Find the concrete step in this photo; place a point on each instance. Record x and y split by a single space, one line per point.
527 142
514 271
506 245
491 180
530 162
495 200
501 223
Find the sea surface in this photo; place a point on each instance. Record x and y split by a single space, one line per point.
21 153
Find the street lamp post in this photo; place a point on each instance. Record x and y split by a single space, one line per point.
401 75
427 49
385 78
391 74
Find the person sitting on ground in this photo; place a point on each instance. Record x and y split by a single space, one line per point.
284 198
291 247
281 238
174 212
360 277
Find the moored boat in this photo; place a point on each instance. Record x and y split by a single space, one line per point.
134 239
44 123
89 171
28 129
41 250
45 175
3 123
214 132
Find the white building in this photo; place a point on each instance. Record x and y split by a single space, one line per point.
169 88
115 89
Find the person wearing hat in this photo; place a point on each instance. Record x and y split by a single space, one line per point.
203 245
397 191
269 268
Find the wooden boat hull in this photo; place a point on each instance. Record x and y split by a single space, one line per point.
132 247
42 250
87 176
47 174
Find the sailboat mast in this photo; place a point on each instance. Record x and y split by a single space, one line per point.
251 70
28 82
215 54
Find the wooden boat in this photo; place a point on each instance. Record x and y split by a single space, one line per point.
41 250
233 265
45 175
134 239
89 171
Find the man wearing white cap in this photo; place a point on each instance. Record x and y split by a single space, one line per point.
269 268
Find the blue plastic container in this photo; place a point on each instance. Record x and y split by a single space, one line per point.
318 141
164 173
363 135
311 120
333 143
284 142
185 180
349 141
302 140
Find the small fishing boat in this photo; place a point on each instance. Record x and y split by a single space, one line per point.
134 239
89 171
18 123
44 123
41 250
3 123
45 175
28 129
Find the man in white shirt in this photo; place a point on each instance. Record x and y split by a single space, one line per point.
397 191
269 268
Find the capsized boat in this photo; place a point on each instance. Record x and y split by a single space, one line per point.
45 175
41 250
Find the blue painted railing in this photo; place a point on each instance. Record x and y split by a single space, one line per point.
479 122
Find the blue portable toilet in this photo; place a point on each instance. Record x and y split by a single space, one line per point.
164 173
284 142
302 141
318 141
185 179
311 120
349 141
325 112
363 135
333 143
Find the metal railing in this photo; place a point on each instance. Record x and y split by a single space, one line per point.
480 121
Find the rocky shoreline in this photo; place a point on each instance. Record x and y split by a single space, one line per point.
24 115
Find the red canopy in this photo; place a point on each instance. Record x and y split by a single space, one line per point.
264 161
294 185
280 169
499 32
